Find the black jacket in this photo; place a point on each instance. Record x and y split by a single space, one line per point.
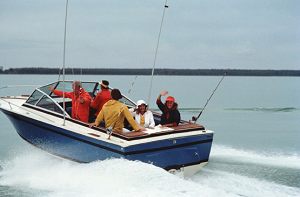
174 115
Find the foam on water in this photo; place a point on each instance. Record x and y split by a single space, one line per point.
34 173
275 167
284 109
276 158
237 185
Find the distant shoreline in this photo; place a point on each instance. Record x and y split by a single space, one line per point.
158 71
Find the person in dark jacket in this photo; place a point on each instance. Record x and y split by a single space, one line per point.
170 115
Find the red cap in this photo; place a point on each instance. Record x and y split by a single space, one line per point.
170 98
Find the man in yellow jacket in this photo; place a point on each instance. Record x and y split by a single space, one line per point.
113 113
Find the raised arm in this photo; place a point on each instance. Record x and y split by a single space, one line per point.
158 101
51 88
163 93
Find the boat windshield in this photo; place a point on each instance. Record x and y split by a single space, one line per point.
44 98
127 102
91 87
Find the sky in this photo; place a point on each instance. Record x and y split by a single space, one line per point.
196 34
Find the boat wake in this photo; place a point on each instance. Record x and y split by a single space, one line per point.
230 172
278 168
284 109
277 159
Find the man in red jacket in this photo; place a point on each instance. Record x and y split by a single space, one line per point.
101 98
80 101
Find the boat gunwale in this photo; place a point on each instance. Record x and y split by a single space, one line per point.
176 130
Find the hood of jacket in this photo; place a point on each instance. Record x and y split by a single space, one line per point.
111 102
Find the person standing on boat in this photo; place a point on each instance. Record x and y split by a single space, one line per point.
114 112
170 115
80 101
143 117
101 98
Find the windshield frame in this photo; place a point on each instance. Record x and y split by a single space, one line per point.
91 87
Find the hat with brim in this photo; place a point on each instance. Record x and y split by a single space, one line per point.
170 98
140 102
104 83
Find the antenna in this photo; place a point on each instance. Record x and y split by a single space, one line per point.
64 60
156 51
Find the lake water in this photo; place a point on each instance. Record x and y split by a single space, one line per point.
256 149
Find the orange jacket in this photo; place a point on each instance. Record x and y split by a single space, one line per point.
101 98
79 111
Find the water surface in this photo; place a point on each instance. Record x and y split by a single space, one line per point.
255 150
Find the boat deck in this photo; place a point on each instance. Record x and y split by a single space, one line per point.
177 129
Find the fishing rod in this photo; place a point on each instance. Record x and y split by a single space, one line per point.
194 118
109 130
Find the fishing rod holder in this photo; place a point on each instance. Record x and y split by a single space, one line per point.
194 118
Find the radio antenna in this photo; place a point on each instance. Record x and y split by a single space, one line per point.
156 51
64 59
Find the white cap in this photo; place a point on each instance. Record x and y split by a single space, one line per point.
140 102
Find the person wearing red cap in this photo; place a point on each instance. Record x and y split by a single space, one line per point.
170 115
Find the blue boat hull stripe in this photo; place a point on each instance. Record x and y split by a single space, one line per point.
50 152
78 161
64 134
168 147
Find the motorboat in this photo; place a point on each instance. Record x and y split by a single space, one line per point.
41 120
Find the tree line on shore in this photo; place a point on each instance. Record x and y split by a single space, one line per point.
158 71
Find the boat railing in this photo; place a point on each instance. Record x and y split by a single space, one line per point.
19 86
24 108
49 97
124 98
16 86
